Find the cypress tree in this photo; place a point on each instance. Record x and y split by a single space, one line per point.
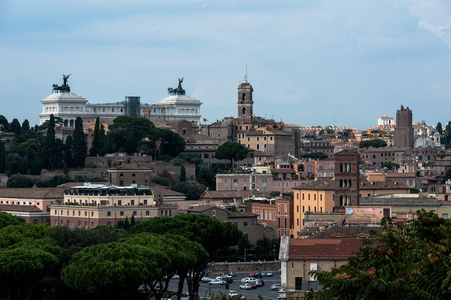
25 125
79 148
182 174
15 127
49 147
439 127
68 156
2 157
95 141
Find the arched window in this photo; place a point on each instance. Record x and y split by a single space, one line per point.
243 97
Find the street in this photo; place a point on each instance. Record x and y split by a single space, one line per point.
264 291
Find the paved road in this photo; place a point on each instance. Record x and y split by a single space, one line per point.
264 291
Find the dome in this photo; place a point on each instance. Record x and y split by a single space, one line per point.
437 133
424 142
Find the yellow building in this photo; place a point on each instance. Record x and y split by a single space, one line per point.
93 205
319 196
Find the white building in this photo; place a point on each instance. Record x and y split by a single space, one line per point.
385 121
69 106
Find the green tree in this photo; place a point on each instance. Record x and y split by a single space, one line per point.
114 270
171 143
4 124
23 269
7 219
410 263
192 190
2 157
96 139
15 127
316 155
127 134
210 233
375 143
231 151
79 148
31 149
25 125
447 176
68 155
182 174
49 147
16 164
19 181
439 127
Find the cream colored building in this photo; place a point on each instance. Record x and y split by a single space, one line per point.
93 205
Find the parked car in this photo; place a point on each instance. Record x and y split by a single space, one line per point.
262 274
260 282
247 279
253 284
268 274
245 286
276 287
226 278
233 293
217 282
206 279
233 274
251 275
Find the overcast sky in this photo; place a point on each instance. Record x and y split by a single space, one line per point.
315 62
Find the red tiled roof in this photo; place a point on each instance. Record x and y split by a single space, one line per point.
301 249
33 193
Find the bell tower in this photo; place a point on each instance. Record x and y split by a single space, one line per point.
245 102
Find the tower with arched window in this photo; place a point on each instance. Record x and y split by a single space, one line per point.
245 102
347 179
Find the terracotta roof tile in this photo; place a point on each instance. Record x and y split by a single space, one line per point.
33 193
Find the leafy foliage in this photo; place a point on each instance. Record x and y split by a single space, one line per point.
410 263
316 155
231 151
375 143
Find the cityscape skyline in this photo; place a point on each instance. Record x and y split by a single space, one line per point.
310 63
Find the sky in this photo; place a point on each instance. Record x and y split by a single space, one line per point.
310 62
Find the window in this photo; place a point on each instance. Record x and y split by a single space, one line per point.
225 180
135 214
264 180
121 214
245 223
235 180
108 214
206 155
147 213
214 213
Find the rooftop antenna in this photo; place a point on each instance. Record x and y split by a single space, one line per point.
245 76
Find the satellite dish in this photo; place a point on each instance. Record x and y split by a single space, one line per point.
350 211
